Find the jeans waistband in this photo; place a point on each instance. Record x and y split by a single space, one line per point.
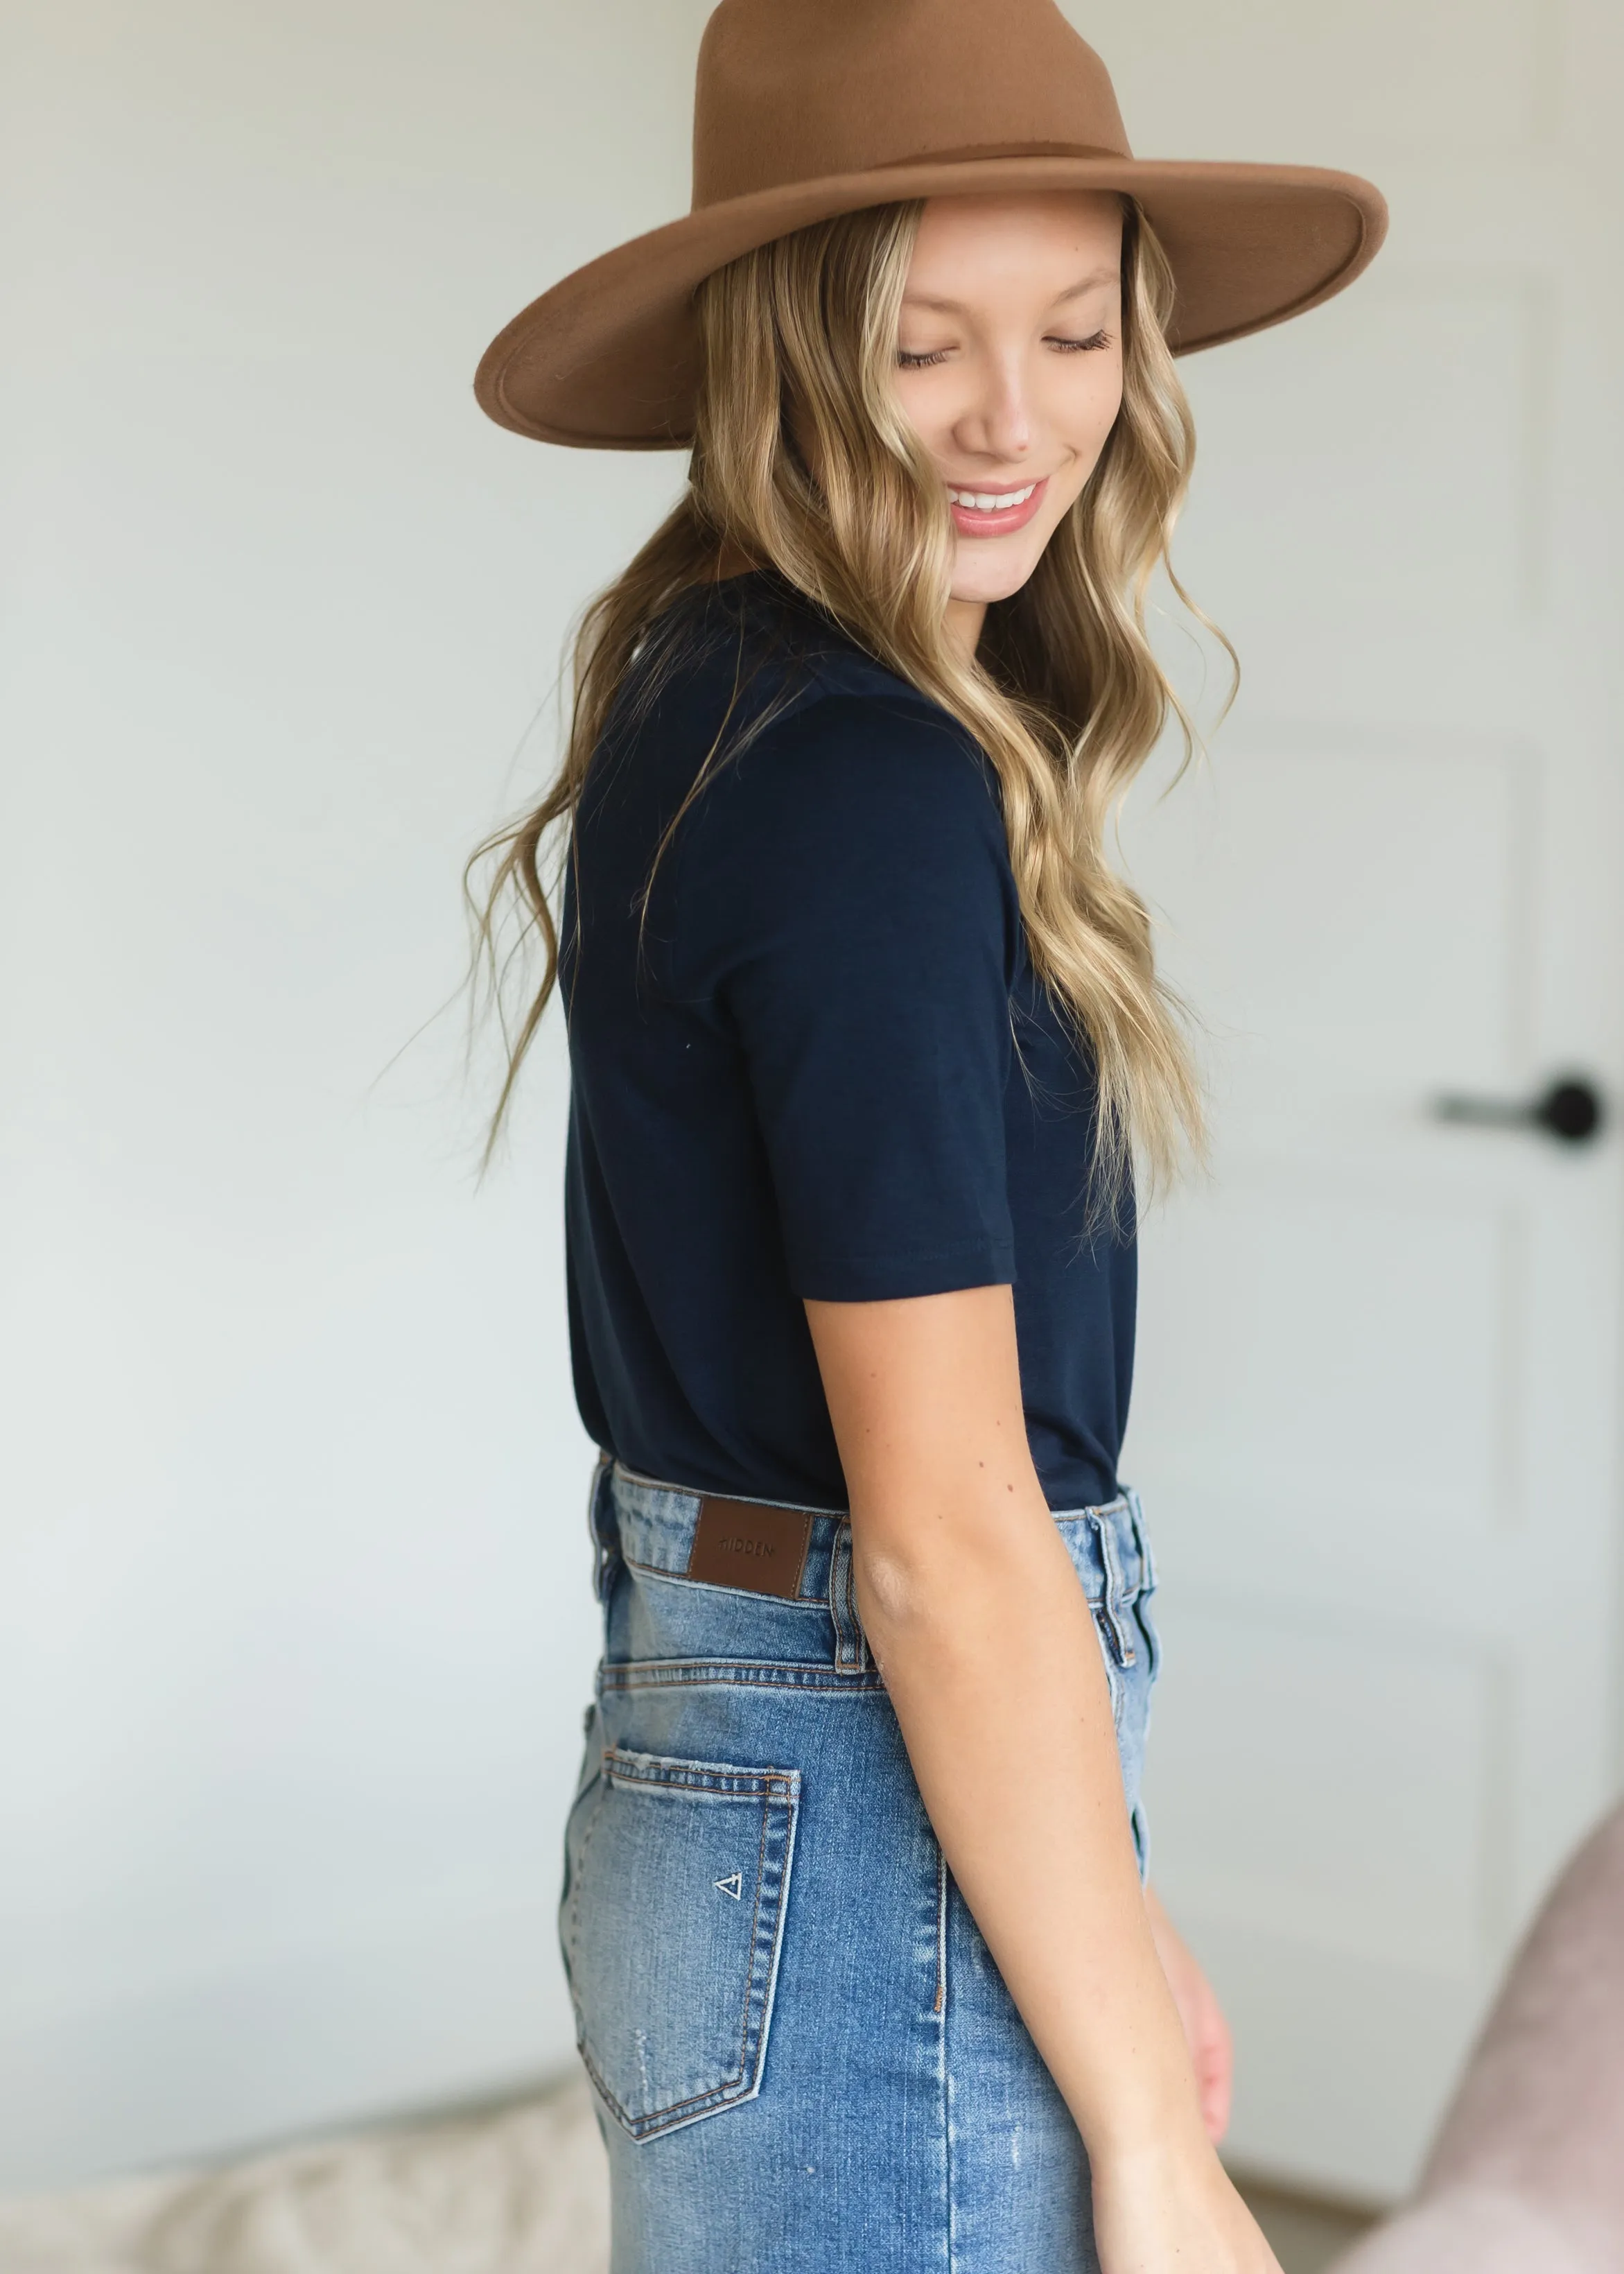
649 1524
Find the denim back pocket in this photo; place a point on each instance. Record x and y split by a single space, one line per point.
677 1874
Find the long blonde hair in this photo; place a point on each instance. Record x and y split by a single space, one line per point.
1064 694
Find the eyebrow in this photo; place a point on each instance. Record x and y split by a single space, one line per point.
1072 292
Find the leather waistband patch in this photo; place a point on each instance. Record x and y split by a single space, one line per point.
739 1543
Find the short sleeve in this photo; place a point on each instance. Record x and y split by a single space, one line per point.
845 906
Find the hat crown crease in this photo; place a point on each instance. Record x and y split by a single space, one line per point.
794 90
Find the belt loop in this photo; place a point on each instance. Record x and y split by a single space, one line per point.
850 1646
604 1527
1114 1591
1141 1540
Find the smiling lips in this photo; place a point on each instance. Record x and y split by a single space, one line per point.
995 513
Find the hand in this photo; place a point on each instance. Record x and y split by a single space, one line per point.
1207 2033
1171 2209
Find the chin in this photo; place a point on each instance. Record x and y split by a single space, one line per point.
989 580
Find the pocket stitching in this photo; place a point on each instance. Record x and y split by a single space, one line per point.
698 1776
659 2119
577 1874
772 1788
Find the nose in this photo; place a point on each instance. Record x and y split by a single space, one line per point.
997 420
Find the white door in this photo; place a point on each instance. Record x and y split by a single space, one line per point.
1374 1419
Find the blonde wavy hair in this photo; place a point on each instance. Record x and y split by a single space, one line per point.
1064 694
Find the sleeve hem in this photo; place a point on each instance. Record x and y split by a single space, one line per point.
931 1272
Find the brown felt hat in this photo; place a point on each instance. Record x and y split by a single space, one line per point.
805 108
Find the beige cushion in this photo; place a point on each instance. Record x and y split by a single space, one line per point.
1529 2169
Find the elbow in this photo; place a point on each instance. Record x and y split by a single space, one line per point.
889 1592
923 1588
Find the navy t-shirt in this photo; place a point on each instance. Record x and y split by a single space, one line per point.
823 1065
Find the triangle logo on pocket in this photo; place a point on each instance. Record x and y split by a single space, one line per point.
733 1884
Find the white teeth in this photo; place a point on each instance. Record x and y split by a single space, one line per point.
987 501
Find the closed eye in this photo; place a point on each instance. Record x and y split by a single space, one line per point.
909 360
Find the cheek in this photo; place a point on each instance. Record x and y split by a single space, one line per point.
1089 415
923 406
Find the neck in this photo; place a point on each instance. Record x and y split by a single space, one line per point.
965 618
731 560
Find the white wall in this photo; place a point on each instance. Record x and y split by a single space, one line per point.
295 1625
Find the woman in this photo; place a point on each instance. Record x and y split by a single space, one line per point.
865 1038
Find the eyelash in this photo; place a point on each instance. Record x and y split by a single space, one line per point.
907 362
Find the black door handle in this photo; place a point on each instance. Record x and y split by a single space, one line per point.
1570 1110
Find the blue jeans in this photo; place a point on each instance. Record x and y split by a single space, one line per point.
806 2061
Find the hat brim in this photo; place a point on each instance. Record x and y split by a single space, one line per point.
608 358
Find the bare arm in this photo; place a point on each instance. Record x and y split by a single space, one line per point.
988 1647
